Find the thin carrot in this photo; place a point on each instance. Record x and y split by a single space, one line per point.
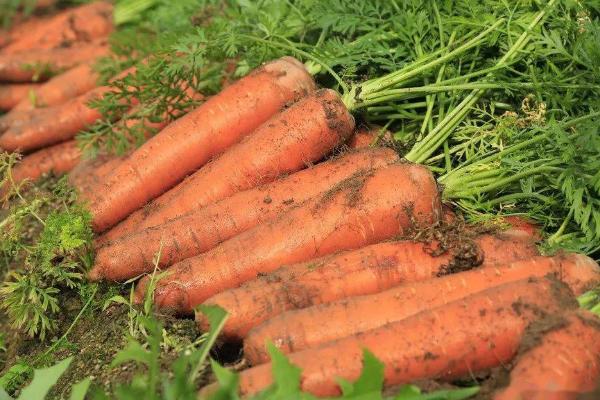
39 65
562 364
72 83
284 144
60 158
12 94
368 270
203 229
191 141
359 211
301 329
78 25
469 335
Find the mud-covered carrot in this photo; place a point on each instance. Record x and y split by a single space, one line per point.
39 65
203 229
368 270
12 94
560 359
286 143
295 330
357 212
473 334
78 25
191 141
72 83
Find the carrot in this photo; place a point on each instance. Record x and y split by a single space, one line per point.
473 334
562 364
367 136
12 94
91 171
359 211
39 65
286 143
58 159
74 26
203 229
55 124
189 142
21 28
294 330
368 270
72 83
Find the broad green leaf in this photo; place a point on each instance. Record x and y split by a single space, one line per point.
369 383
132 352
17 373
80 389
228 383
4 395
285 374
43 380
216 318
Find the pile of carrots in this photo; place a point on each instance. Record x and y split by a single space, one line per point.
269 201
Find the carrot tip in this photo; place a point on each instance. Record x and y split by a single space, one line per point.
94 275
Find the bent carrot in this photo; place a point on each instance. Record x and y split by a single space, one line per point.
473 334
284 144
60 158
203 229
70 84
81 24
189 142
359 211
564 364
368 270
12 94
39 65
297 330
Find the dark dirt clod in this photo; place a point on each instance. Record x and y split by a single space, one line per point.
352 186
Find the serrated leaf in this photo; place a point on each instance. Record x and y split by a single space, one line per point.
369 383
132 352
286 376
43 380
80 389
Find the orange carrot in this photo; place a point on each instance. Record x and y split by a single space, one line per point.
368 270
91 171
359 211
43 127
295 330
39 65
189 142
367 136
562 364
70 84
60 158
469 335
77 25
21 28
285 144
11 95
203 229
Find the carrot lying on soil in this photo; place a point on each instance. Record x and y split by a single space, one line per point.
74 26
359 211
39 65
562 364
91 171
467 336
368 270
43 127
296 330
284 144
194 233
12 94
58 159
191 141
69 84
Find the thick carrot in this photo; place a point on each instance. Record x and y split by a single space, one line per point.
91 171
21 28
469 335
368 270
294 331
70 84
77 25
562 364
58 159
359 211
39 65
189 142
205 228
284 144
12 94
